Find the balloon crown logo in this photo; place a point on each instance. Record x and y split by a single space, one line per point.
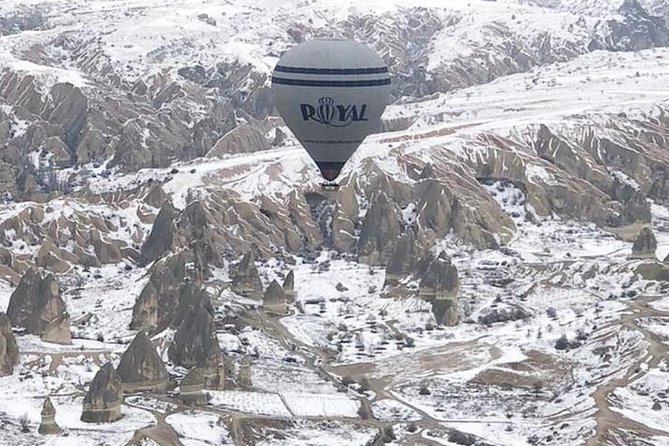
331 114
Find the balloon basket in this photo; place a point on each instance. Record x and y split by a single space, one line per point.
330 186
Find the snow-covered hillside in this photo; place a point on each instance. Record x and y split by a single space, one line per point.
492 270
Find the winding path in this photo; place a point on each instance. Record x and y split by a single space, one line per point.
610 422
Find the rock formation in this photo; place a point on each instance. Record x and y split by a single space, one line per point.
191 388
48 426
195 342
9 351
380 231
105 251
172 281
289 285
404 258
195 231
58 330
11 268
644 245
141 368
300 214
36 305
246 280
275 299
214 379
159 241
156 196
54 259
102 403
344 218
439 285
243 139
438 277
245 375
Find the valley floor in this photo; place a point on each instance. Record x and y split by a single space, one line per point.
341 369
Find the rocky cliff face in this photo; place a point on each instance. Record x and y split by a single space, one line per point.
73 124
636 30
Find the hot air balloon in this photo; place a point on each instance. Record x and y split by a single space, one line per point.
331 94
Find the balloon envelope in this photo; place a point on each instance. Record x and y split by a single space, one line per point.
331 94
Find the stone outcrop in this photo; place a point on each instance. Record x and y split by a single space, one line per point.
173 280
191 389
65 238
289 285
445 311
9 351
73 124
11 268
345 216
300 214
380 231
51 257
102 403
159 241
439 285
105 251
192 229
243 139
156 196
195 343
636 30
275 299
195 232
644 245
214 379
57 331
246 280
438 277
141 368
404 259
244 379
36 306
48 426
653 271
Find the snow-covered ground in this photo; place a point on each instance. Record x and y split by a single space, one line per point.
531 359
199 428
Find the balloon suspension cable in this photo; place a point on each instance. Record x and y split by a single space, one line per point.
330 186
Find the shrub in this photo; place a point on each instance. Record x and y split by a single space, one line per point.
24 423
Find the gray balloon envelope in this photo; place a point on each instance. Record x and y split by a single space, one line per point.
331 94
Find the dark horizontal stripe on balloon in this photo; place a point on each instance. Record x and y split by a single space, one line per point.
312 83
321 141
342 71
